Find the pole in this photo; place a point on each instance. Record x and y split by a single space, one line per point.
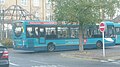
1 30
30 9
1 21
16 11
43 9
103 45
16 2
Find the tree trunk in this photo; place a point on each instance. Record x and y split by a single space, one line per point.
81 48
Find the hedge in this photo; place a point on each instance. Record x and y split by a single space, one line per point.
7 42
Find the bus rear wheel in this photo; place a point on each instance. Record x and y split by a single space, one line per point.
99 44
51 47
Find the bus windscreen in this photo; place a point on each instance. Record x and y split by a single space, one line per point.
18 29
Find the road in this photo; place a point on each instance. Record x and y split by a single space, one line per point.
52 59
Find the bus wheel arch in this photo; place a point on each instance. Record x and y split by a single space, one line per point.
51 47
99 44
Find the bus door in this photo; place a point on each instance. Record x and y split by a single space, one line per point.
42 38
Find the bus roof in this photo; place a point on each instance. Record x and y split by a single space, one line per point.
108 22
36 22
40 22
32 20
116 24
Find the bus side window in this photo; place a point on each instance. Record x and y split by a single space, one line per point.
63 32
41 32
53 35
85 33
51 32
36 32
73 35
89 32
59 33
74 32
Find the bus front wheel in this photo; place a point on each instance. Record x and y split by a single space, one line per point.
99 44
51 47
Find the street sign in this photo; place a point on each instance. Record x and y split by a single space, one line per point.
102 27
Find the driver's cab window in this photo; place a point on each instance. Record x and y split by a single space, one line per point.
30 32
117 30
18 29
109 31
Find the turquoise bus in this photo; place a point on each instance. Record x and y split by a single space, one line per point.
93 36
44 35
34 35
117 33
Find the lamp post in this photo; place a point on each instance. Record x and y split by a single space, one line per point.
2 20
16 2
16 10
30 9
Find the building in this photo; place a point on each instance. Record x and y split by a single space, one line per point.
10 10
42 9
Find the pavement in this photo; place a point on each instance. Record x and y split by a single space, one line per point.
111 54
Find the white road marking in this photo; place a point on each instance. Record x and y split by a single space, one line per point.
103 61
111 60
115 62
38 62
116 46
46 64
50 66
14 64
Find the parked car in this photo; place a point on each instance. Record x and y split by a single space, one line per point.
4 61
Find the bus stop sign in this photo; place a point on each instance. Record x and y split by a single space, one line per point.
102 27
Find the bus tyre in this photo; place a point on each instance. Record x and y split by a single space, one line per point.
99 44
51 47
